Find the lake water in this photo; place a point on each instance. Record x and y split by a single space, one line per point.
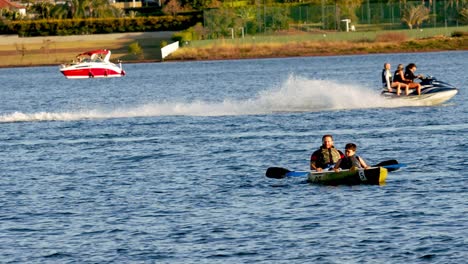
167 164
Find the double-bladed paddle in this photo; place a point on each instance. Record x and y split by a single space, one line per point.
280 173
390 165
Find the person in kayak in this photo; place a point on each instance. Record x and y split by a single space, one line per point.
410 76
399 77
351 161
387 81
326 156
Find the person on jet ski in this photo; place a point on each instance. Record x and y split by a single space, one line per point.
387 82
410 76
399 77
326 156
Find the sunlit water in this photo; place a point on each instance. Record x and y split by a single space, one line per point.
167 164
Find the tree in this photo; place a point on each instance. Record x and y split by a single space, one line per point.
78 9
277 18
43 10
348 9
201 4
464 15
415 15
344 9
172 7
59 11
220 22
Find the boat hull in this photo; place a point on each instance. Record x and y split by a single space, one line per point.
426 99
433 92
90 71
373 176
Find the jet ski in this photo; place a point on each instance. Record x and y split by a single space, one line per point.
433 92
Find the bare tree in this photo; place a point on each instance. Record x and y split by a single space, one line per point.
415 15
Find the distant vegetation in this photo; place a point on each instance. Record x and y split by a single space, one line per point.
382 43
231 18
147 47
213 29
80 26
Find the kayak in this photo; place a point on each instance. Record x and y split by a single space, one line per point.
374 176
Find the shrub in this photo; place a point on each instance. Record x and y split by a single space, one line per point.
459 34
98 25
391 37
182 37
135 49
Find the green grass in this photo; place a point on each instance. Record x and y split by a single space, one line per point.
329 36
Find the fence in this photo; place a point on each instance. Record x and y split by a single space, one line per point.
368 16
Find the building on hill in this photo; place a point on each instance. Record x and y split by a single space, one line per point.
5 4
126 3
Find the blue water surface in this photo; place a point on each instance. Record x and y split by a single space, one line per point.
167 164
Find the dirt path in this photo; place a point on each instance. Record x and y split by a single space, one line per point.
14 39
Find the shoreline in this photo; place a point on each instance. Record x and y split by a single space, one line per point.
47 52
240 58
318 48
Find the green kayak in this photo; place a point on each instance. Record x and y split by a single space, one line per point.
374 175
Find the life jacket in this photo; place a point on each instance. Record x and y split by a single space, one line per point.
322 156
409 75
349 162
397 77
385 72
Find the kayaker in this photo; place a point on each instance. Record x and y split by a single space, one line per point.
326 156
351 160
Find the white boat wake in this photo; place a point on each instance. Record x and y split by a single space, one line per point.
294 95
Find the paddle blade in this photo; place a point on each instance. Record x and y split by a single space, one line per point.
386 163
276 172
390 165
394 166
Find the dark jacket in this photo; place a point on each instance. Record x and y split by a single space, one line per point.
409 75
348 162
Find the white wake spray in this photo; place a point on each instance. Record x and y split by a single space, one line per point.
296 94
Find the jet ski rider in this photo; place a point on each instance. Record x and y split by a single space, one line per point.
388 83
399 77
410 76
326 156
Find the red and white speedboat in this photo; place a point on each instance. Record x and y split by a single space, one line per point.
92 64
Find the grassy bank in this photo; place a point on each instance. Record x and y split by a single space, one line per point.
15 52
326 43
223 51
